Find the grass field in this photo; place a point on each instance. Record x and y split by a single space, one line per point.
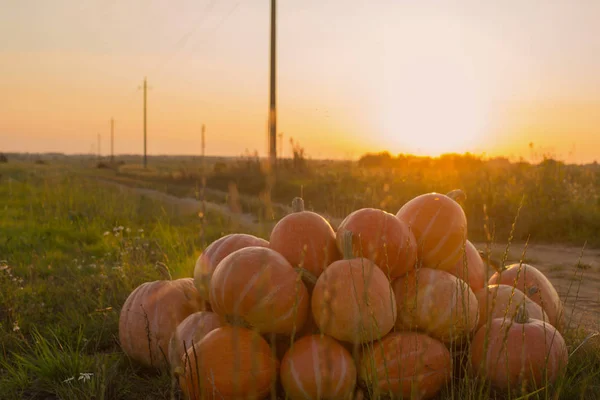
73 246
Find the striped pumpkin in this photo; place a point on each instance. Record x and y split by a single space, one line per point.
257 286
440 228
191 330
217 251
150 316
305 239
382 238
318 367
525 354
352 300
536 286
229 363
409 365
470 267
436 302
503 301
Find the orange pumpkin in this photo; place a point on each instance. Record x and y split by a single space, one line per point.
522 353
440 228
470 267
380 237
229 363
318 367
436 302
352 300
305 239
536 286
217 251
503 301
405 365
257 286
150 316
191 330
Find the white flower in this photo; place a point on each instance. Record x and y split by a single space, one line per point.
16 327
85 376
106 233
68 379
127 230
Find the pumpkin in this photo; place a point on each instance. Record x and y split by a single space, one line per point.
318 367
503 301
229 363
150 316
305 239
380 237
189 331
436 302
440 228
536 286
257 286
405 365
522 353
217 251
470 267
352 300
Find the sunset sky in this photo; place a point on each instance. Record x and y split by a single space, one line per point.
423 77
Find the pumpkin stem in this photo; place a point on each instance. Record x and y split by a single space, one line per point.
238 321
457 195
347 250
522 315
297 204
164 271
307 277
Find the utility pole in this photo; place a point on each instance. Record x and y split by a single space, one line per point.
281 145
145 137
202 195
99 150
273 91
112 140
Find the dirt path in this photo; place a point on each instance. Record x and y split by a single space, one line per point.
190 206
578 286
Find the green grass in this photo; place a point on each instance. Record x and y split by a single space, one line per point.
72 249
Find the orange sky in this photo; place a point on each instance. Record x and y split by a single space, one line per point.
353 76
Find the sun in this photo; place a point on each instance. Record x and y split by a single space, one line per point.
433 110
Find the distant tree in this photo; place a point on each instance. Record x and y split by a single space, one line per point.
3 158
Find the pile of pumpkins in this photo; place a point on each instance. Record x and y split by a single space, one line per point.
376 308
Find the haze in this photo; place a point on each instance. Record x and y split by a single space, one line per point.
424 77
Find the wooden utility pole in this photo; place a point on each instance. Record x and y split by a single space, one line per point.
112 140
99 150
145 137
203 171
273 91
281 145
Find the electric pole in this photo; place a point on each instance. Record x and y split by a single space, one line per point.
273 91
99 150
281 145
145 137
112 140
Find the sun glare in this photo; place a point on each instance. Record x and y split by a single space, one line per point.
435 118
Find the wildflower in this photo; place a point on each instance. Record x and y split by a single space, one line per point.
85 376
69 379
140 230
106 233
16 327
127 230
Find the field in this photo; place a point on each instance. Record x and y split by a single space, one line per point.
76 239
